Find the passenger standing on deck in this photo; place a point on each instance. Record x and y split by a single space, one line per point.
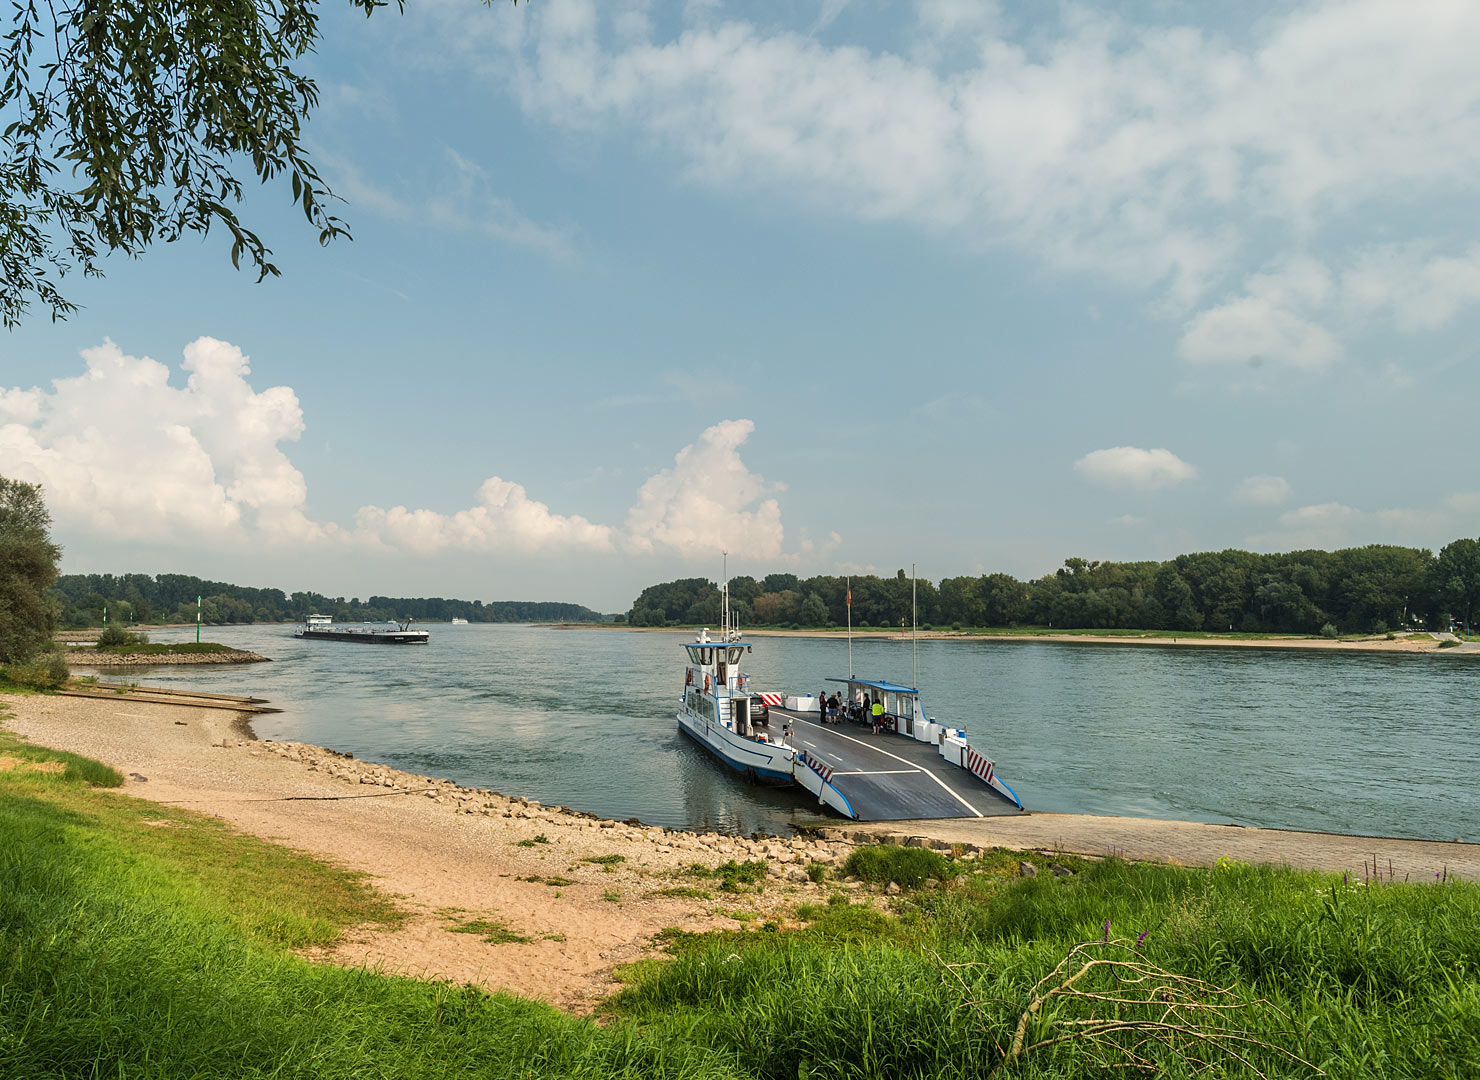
878 713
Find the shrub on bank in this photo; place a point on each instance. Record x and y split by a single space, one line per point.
47 672
115 636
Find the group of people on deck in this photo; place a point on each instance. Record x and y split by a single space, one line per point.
861 711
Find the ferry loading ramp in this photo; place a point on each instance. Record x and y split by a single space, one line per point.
886 777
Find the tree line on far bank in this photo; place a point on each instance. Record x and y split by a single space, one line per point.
1370 589
81 599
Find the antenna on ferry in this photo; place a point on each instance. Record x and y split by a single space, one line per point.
726 593
915 620
849 580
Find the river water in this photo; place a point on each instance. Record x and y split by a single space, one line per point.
1385 745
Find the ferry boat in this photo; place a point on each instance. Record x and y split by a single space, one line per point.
906 766
323 628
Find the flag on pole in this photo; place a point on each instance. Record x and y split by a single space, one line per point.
850 597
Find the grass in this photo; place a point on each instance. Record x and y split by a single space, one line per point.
533 841
1380 980
142 941
555 880
730 876
492 932
908 867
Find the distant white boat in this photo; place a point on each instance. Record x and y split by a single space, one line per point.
459 622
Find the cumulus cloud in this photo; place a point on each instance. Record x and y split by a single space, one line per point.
708 501
125 455
1134 468
1262 490
505 519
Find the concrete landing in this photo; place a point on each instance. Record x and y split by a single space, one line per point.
1191 843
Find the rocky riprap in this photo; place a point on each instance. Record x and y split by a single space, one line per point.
786 857
98 658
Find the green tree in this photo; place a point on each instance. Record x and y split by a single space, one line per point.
1006 601
813 612
127 122
28 567
1457 577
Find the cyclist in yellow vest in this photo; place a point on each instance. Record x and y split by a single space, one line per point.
878 714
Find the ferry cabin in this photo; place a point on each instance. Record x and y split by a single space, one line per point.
720 712
714 686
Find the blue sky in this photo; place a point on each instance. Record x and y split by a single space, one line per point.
840 286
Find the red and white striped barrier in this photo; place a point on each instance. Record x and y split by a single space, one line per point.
821 768
773 700
983 767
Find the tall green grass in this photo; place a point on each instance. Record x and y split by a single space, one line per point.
138 941
1361 981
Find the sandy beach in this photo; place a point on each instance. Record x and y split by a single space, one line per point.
449 854
452 854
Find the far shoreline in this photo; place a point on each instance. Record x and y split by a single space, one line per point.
1419 643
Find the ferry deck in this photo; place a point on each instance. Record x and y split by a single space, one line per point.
886 777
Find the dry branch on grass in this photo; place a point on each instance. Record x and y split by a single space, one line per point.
1108 999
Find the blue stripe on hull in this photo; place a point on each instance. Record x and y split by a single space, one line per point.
770 775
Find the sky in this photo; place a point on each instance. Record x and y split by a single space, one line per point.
837 287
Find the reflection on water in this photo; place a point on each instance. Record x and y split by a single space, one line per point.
1358 743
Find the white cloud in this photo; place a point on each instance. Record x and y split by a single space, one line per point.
1262 490
1332 525
1417 288
708 501
128 457
1127 521
1465 502
505 519
124 454
1268 324
1277 317
1147 153
460 199
1132 467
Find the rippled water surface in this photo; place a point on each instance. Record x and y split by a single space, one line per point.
1359 743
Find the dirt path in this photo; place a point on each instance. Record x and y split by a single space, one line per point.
451 855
